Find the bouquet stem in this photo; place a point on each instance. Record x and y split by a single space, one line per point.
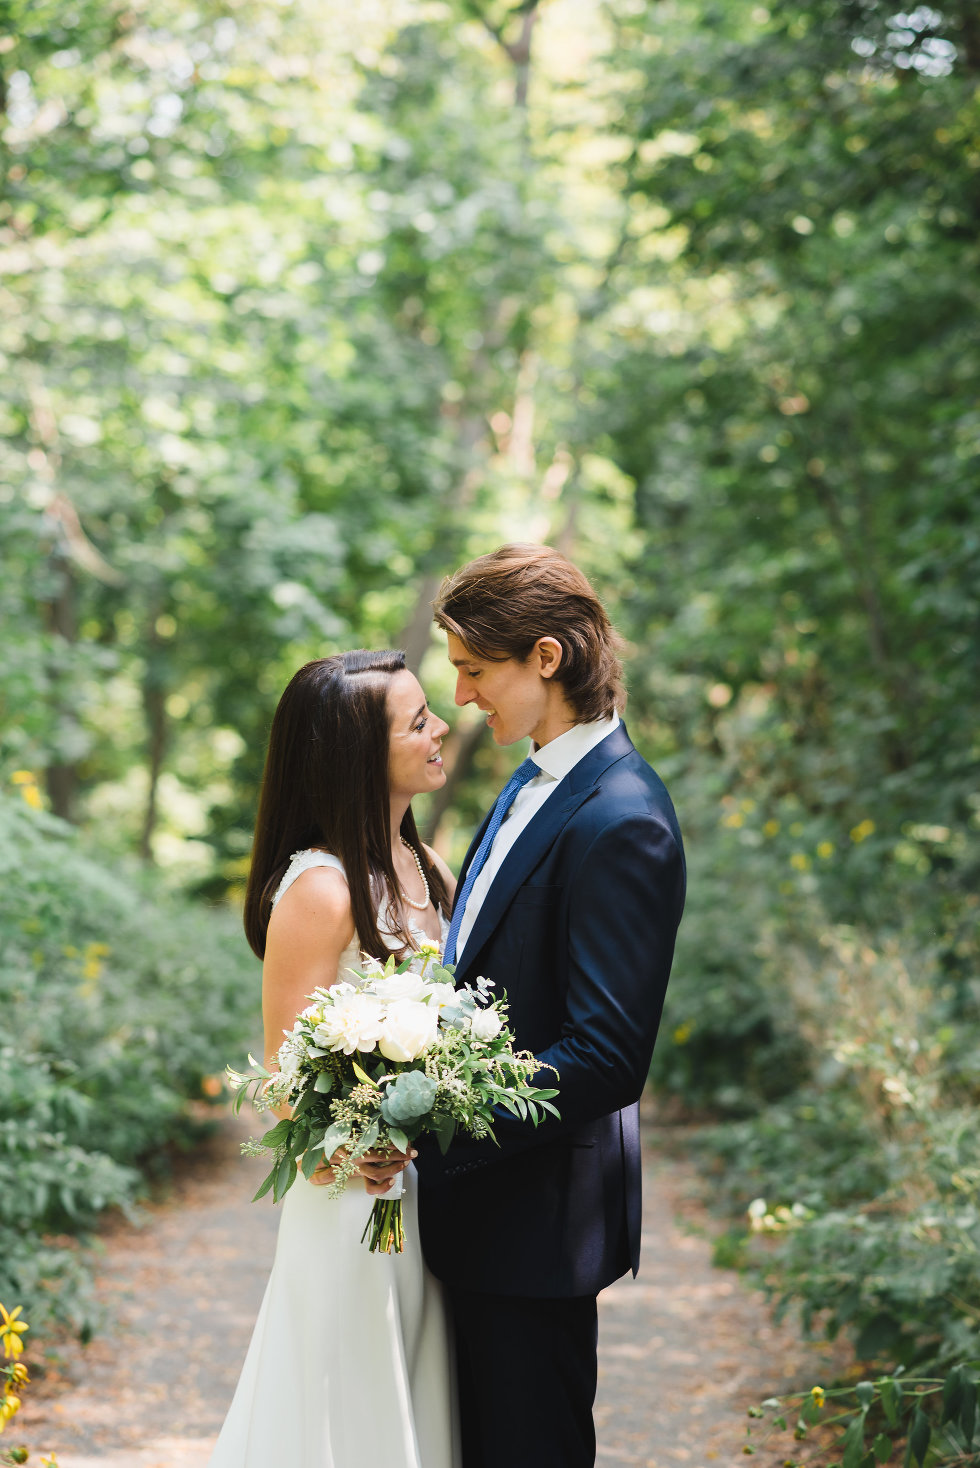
387 1231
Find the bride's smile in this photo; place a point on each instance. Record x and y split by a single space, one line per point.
415 757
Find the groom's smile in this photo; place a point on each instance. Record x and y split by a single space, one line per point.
522 700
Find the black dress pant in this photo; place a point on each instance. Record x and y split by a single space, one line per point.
527 1380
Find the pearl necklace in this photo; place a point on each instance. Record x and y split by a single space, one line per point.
419 906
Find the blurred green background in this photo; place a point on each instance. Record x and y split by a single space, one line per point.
302 305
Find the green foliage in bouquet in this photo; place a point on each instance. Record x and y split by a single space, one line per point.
117 1007
371 1064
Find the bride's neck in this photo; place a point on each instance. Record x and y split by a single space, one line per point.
398 810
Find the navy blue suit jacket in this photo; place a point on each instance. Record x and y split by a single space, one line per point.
578 927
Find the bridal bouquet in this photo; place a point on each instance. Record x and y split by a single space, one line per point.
374 1062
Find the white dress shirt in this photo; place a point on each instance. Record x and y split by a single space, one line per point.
555 759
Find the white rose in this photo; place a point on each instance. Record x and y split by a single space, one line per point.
485 1024
409 1029
352 1022
439 995
399 986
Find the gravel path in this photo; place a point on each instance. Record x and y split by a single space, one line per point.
683 1350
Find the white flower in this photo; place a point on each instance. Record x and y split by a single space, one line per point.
400 986
485 1024
439 995
409 1029
352 1022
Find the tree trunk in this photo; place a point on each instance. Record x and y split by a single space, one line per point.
61 776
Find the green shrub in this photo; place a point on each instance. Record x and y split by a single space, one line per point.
118 1004
867 1184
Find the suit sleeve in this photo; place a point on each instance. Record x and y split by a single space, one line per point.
624 903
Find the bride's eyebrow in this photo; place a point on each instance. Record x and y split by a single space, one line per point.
418 713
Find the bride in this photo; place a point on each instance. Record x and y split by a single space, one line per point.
349 1359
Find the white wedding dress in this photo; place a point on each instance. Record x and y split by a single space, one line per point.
349 1362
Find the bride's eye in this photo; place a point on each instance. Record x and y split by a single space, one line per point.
421 725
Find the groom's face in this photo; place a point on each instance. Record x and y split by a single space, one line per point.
515 696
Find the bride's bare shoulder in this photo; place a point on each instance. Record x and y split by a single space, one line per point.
315 908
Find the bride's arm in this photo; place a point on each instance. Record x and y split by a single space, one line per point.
311 926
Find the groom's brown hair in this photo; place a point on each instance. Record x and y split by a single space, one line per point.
500 604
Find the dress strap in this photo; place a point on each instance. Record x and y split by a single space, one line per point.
302 861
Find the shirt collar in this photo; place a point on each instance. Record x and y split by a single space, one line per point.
560 755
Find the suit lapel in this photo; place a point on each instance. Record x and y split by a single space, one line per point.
538 836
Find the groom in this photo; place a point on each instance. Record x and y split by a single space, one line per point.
569 899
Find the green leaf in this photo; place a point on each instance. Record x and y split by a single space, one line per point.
952 1394
276 1136
297 1140
361 1073
444 1127
890 1391
265 1185
398 1138
853 1445
336 1135
369 1136
311 1161
285 1177
968 1411
882 1447
919 1437
322 1085
865 1393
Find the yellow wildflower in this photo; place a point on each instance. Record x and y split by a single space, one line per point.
771 828
862 831
800 861
18 1374
818 1395
825 850
683 1033
11 1331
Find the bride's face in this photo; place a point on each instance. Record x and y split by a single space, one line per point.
415 739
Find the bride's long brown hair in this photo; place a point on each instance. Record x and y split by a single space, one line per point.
326 785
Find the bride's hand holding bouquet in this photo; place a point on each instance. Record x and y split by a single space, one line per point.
374 1062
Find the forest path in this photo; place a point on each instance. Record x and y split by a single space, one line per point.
683 1350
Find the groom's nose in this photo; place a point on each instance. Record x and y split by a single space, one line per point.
464 691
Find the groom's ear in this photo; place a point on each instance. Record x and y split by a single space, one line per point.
548 653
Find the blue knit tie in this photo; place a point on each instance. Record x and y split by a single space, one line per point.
505 800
